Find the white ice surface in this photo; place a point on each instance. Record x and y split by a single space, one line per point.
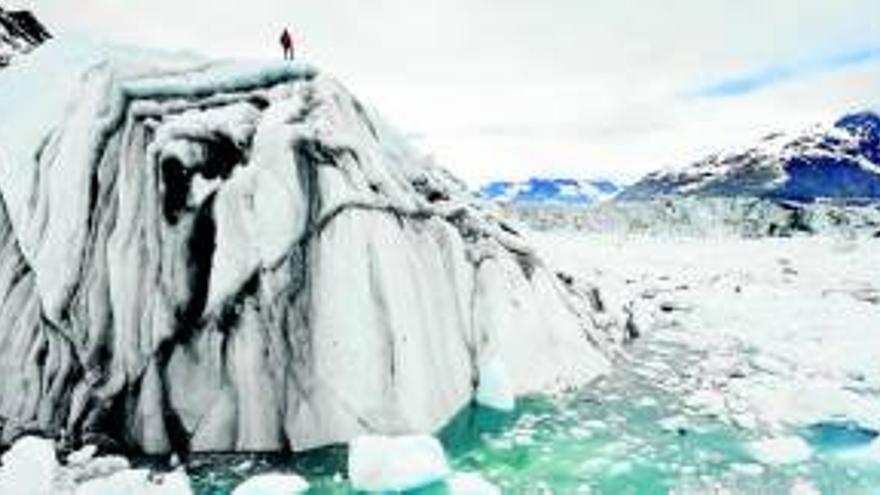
790 327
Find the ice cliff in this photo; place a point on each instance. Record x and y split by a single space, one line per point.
211 256
696 216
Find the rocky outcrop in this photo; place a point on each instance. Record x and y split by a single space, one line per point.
20 32
203 256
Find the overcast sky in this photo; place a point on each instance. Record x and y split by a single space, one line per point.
514 88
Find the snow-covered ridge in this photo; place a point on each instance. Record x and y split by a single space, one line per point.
840 161
201 255
20 32
551 190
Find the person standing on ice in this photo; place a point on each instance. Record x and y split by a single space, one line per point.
287 44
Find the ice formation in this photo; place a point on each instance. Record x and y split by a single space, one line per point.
202 256
272 484
393 464
29 467
495 389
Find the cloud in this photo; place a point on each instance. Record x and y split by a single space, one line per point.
767 76
509 88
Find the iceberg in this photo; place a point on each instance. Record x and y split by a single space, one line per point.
201 255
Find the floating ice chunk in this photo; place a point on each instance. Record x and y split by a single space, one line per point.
470 484
707 401
780 450
272 484
747 468
29 467
495 389
804 487
379 463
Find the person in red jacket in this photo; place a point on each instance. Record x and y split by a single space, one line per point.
287 44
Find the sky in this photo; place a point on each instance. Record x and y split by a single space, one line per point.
508 89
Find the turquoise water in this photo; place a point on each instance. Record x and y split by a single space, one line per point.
622 434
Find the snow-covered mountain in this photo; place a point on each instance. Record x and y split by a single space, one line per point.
550 190
202 256
20 32
838 161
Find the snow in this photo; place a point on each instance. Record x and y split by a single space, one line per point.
383 464
495 389
272 484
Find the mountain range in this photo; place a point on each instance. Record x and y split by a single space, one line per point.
839 161
836 161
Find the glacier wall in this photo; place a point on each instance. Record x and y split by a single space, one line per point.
205 256
701 216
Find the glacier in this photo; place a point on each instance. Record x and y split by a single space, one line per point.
205 255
